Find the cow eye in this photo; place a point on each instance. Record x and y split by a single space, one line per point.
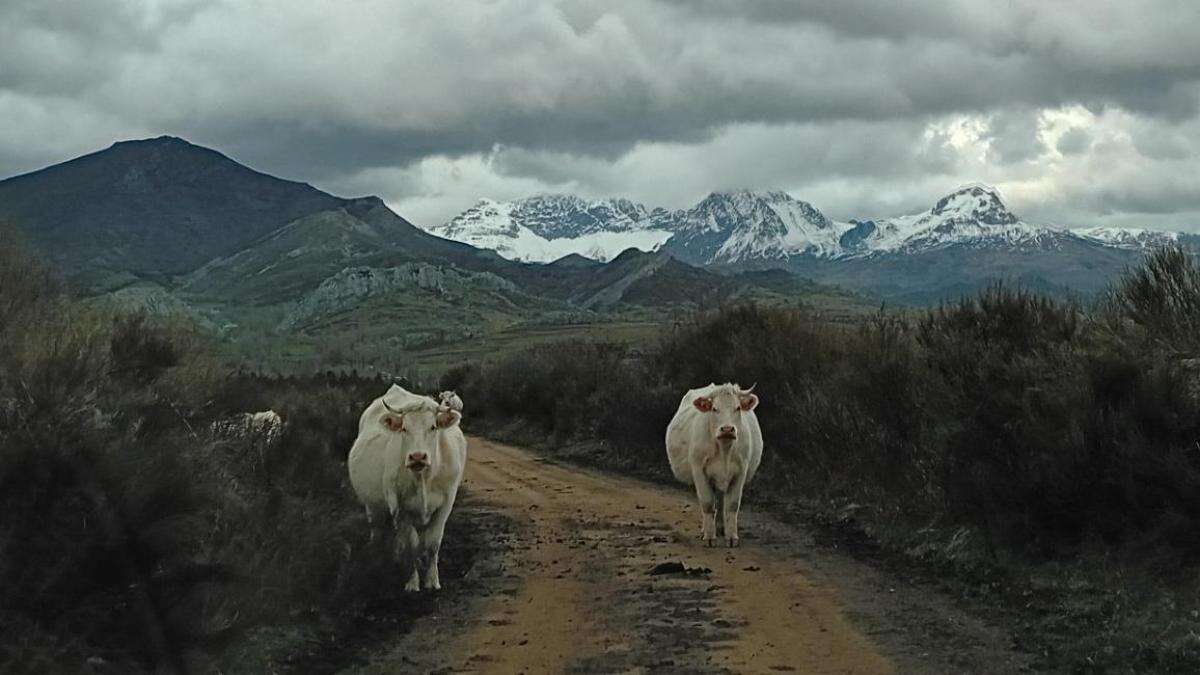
433 428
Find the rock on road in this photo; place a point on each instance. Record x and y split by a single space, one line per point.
572 592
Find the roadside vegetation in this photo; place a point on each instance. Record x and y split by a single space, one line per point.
1036 457
1039 459
137 537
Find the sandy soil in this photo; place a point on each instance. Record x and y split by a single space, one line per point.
573 591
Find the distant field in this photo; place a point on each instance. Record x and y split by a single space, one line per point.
304 354
420 334
500 344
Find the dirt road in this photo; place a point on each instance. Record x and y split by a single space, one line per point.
573 592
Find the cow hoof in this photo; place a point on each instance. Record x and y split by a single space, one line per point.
710 542
733 542
412 587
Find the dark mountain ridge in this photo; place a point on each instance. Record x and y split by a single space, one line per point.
170 222
154 206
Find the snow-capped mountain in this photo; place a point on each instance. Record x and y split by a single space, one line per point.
544 228
965 240
747 227
1130 238
752 228
972 215
731 227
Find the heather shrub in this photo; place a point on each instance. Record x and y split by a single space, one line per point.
1159 302
138 535
1042 426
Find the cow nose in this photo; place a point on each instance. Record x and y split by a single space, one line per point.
728 430
418 457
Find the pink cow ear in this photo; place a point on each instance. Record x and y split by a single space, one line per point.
749 401
392 422
703 403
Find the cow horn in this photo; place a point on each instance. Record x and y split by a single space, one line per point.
390 408
751 389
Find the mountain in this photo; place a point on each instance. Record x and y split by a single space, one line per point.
349 288
741 226
544 228
181 215
967 239
748 228
973 215
295 258
171 227
658 279
158 206
1131 238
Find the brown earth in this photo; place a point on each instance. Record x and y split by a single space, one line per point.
572 591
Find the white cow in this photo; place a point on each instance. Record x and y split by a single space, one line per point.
714 443
451 400
265 426
406 465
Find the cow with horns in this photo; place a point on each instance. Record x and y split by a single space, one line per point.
406 466
714 444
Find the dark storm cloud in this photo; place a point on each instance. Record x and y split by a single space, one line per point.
329 91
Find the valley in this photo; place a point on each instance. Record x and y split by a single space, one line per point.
290 279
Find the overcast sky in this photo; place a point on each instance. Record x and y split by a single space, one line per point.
1082 113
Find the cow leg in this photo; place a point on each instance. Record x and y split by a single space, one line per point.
719 513
733 505
406 548
370 525
376 521
408 539
708 506
432 543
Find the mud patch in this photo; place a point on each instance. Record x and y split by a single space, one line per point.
679 569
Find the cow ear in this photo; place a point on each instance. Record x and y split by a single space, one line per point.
448 418
392 422
749 401
703 403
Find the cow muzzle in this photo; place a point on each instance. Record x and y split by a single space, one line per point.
727 433
418 461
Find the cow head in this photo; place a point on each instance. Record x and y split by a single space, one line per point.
724 410
417 429
450 399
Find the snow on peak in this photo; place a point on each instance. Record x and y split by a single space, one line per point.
976 201
1129 238
546 227
974 214
739 226
558 216
742 225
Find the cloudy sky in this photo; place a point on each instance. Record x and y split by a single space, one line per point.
1082 113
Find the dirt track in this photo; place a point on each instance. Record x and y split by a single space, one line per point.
572 592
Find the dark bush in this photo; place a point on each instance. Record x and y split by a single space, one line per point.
135 531
140 352
1162 298
1011 413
